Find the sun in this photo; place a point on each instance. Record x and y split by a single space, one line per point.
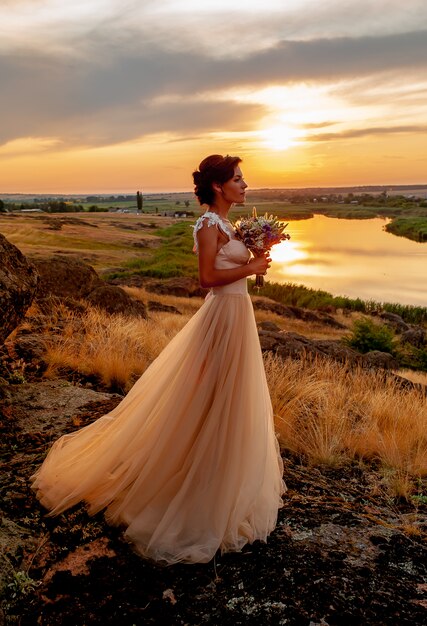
280 137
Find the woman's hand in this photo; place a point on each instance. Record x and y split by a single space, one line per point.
260 264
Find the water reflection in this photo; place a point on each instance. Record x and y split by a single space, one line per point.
357 258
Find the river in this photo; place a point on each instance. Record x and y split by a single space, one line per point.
355 258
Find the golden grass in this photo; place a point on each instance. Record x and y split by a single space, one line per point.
329 414
114 348
190 305
312 330
102 247
413 376
184 305
324 412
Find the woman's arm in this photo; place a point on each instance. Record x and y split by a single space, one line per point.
209 276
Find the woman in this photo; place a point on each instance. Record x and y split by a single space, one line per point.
188 461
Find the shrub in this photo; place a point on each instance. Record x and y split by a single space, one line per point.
416 358
367 336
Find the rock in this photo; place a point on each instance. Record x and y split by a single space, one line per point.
122 277
29 347
265 304
290 344
115 300
394 320
267 341
12 539
295 312
415 336
383 360
158 306
5 395
70 281
337 350
65 278
18 283
184 287
53 406
287 343
269 326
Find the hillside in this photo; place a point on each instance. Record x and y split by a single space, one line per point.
349 547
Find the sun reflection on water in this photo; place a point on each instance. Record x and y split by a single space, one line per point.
356 258
288 251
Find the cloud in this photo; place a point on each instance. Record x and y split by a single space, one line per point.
365 132
28 145
120 71
217 27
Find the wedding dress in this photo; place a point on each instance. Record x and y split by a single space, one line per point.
188 462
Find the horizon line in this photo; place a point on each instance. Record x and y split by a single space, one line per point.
155 193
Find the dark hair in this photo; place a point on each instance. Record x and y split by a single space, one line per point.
214 169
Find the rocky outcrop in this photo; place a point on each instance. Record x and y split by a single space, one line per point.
164 308
35 415
52 408
289 344
18 283
415 336
65 278
393 320
411 334
383 360
343 552
73 282
115 300
182 286
295 312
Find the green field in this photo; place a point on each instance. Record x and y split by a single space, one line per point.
408 214
411 227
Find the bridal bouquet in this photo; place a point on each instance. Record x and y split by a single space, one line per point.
260 234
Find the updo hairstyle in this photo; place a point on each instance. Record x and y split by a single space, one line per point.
214 169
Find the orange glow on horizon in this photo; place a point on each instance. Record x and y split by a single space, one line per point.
100 100
160 163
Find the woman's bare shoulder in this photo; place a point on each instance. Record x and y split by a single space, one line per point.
206 220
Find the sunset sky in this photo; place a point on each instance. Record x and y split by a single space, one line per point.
115 95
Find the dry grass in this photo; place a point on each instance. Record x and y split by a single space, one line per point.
104 246
329 414
413 376
187 306
312 330
114 348
324 412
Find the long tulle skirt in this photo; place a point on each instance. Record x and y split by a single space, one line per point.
188 462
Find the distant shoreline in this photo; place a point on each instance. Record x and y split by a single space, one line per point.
391 189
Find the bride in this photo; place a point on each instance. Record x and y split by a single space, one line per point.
188 463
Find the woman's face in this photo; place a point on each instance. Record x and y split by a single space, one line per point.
234 189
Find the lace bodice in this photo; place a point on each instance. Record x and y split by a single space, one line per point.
232 254
213 219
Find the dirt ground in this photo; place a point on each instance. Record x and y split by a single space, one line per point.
343 552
